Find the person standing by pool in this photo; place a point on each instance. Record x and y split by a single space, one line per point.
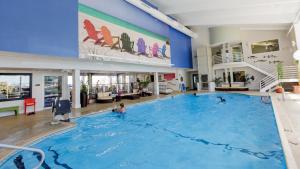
120 109
182 85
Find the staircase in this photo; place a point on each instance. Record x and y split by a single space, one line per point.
269 82
290 74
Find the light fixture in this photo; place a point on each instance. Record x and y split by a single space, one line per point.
296 55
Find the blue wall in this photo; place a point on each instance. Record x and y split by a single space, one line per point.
181 51
48 27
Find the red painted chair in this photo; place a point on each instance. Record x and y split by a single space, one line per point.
27 103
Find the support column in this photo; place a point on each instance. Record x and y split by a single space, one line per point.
226 75
76 89
65 86
156 84
90 83
231 75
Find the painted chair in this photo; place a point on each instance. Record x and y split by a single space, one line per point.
142 47
92 32
30 102
127 45
154 50
163 51
108 40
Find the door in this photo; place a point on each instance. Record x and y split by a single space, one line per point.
195 81
204 82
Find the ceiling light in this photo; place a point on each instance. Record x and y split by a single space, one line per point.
297 55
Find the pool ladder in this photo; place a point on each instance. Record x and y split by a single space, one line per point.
27 149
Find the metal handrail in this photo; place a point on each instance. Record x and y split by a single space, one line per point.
27 149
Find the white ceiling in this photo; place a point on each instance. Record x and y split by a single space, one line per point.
230 12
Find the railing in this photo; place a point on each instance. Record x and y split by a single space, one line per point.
27 149
289 72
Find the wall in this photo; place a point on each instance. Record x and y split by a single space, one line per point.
42 27
180 43
224 34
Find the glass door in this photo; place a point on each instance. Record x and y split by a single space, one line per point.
195 81
52 89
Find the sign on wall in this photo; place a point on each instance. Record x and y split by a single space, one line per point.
104 35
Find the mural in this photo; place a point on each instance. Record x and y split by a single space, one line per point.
102 34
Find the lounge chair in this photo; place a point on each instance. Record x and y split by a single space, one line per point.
105 97
131 96
154 50
60 108
141 47
127 45
108 40
91 31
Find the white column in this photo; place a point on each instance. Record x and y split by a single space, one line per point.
231 75
76 89
297 34
65 87
226 75
156 84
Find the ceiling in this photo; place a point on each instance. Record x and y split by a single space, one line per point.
230 12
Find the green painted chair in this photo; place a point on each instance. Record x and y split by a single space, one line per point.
127 45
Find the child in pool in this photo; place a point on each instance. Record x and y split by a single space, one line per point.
121 109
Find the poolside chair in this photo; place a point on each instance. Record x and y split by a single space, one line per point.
163 51
91 31
127 45
141 47
108 40
59 109
154 50
105 97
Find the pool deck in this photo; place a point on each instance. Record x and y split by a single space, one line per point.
287 111
22 130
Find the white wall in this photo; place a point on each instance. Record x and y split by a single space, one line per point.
284 54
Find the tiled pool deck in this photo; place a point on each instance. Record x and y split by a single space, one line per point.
22 130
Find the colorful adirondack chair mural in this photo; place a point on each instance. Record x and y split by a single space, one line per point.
154 50
92 32
142 47
163 51
127 45
108 40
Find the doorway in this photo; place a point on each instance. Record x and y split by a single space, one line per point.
195 78
52 89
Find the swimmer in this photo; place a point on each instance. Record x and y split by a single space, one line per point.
121 109
222 100
195 94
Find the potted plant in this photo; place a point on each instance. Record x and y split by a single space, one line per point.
297 88
218 81
83 94
279 88
248 79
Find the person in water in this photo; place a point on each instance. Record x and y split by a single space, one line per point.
222 100
120 109
195 94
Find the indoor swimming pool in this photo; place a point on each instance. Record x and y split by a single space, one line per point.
180 132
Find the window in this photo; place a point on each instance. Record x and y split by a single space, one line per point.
15 86
265 46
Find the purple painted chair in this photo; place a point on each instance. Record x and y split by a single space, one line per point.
154 50
141 47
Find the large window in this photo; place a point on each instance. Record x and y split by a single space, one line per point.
239 76
15 86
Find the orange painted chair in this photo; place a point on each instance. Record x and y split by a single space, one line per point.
108 40
92 32
28 103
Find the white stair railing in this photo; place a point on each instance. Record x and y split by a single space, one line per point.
289 74
27 149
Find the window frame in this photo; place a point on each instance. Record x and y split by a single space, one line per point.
20 74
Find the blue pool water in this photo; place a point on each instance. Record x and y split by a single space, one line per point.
184 132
